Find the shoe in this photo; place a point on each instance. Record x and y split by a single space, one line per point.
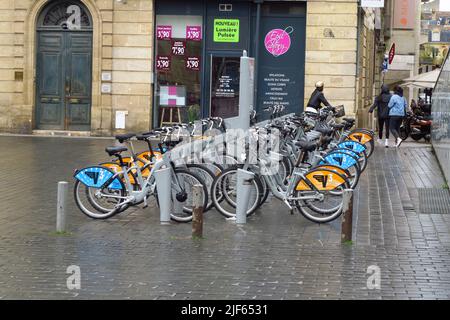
379 141
386 143
399 142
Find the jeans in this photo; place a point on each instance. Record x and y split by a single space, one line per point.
394 124
383 122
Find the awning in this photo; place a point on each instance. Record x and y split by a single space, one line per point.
424 80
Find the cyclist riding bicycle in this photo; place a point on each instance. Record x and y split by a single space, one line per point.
318 98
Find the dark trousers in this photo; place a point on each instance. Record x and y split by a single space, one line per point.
394 125
383 122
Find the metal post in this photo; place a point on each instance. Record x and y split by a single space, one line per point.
163 184
244 185
347 216
63 191
197 215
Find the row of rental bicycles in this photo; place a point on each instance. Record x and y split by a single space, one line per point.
306 161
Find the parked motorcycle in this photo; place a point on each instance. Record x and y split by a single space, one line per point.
416 126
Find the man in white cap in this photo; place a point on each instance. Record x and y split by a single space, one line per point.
317 97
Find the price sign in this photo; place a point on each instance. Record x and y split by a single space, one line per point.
164 32
163 63
194 33
193 63
178 48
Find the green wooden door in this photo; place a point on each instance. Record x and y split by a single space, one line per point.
64 80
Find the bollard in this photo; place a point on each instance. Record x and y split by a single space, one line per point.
63 191
347 216
163 184
197 214
244 186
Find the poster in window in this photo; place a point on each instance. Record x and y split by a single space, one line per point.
193 63
194 33
178 48
164 32
162 63
172 96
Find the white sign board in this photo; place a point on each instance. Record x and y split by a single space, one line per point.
120 119
106 88
106 76
372 3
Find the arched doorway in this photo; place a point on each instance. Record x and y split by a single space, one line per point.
64 67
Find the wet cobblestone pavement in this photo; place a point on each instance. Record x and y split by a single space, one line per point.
274 256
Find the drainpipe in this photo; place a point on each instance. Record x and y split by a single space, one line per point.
358 27
257 32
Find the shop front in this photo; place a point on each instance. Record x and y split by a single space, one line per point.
198 45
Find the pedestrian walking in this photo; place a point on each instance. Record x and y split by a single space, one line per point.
397 111
381 104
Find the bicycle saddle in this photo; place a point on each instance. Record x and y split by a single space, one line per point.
124 137
112 151
145 136
324 130
338 126
306 145
327 140
350 120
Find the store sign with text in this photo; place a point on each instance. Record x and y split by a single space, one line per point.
226 30
278 41
404 14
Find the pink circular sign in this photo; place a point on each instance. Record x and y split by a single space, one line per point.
278 41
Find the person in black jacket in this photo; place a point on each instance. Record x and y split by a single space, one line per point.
381 104
317 97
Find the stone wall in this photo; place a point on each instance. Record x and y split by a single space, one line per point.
331 28
122 45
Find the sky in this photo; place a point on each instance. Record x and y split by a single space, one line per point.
444 5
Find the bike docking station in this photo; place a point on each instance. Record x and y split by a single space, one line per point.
246 97
163 182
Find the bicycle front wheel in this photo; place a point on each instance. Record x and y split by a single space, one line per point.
224 193
99 203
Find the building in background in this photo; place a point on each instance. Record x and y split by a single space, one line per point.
402 28
131 60
435 34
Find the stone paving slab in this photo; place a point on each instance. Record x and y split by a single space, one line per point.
274 256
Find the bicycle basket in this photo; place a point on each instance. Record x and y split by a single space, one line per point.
340 111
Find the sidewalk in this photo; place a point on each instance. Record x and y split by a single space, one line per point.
274 256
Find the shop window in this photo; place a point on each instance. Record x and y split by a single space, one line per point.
178 67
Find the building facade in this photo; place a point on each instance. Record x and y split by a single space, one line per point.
99 67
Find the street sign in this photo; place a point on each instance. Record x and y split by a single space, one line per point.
372 3
392 53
